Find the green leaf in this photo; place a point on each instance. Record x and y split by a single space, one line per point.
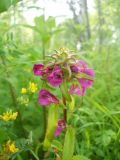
51 23
5 4
65 92
72 104
85 76
79 157
40 23
68 149
56 144
51 127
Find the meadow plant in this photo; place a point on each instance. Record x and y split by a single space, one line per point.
65 74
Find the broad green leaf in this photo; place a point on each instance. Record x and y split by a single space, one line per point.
69 143
51 126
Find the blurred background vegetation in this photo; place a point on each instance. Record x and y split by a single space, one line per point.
95 37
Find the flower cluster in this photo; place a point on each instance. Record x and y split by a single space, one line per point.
26 91
31 89
9 148
66 72
65 68
9 116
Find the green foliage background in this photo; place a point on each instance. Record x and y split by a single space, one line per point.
97 115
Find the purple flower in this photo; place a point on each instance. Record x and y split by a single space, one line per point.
79 68
76 89
55 77
82 63
38 69
74 69
46 98
86 83
60 127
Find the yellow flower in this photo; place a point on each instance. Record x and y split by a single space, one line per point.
14 115
32 87
12 148
5 117
23 90
8 116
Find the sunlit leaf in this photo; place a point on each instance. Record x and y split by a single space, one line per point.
69 143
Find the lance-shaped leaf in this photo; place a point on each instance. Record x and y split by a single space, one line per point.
51 126
69 143
65 92
72 104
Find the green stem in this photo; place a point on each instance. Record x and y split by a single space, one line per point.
65 110
41 151
65 115
43 108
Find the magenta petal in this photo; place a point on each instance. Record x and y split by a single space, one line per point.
55 78
89 72
82 63
38 69
75 89
60 127
58 131
74 68
46 98
78 66
86 83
